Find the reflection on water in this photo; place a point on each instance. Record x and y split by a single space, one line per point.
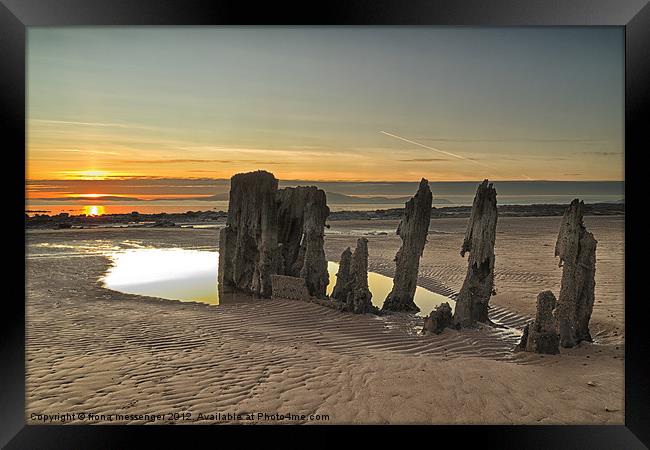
191 275
381 285
173 273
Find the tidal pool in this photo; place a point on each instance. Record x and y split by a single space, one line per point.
191 275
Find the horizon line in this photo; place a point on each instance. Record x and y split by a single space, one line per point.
118 178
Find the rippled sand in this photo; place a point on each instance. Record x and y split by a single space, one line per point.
90 349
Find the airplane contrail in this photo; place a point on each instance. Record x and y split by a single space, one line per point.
433 148
444 152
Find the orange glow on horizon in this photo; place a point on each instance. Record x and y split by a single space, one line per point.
90 174
86 195
37 195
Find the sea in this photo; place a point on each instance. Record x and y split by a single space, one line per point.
366 196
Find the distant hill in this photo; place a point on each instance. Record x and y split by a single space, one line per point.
335 197
222 196
343 199
340 199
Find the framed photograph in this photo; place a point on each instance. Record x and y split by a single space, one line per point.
357 213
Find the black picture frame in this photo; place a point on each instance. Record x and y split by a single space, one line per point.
633 15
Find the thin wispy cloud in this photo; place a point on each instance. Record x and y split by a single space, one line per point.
91 152
262 151
554 140
194 161
605 153
93 124
175 161
423 160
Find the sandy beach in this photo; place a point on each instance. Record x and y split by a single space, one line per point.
94 350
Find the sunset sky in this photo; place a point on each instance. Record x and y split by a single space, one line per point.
312 103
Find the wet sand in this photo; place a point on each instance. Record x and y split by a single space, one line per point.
93 350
